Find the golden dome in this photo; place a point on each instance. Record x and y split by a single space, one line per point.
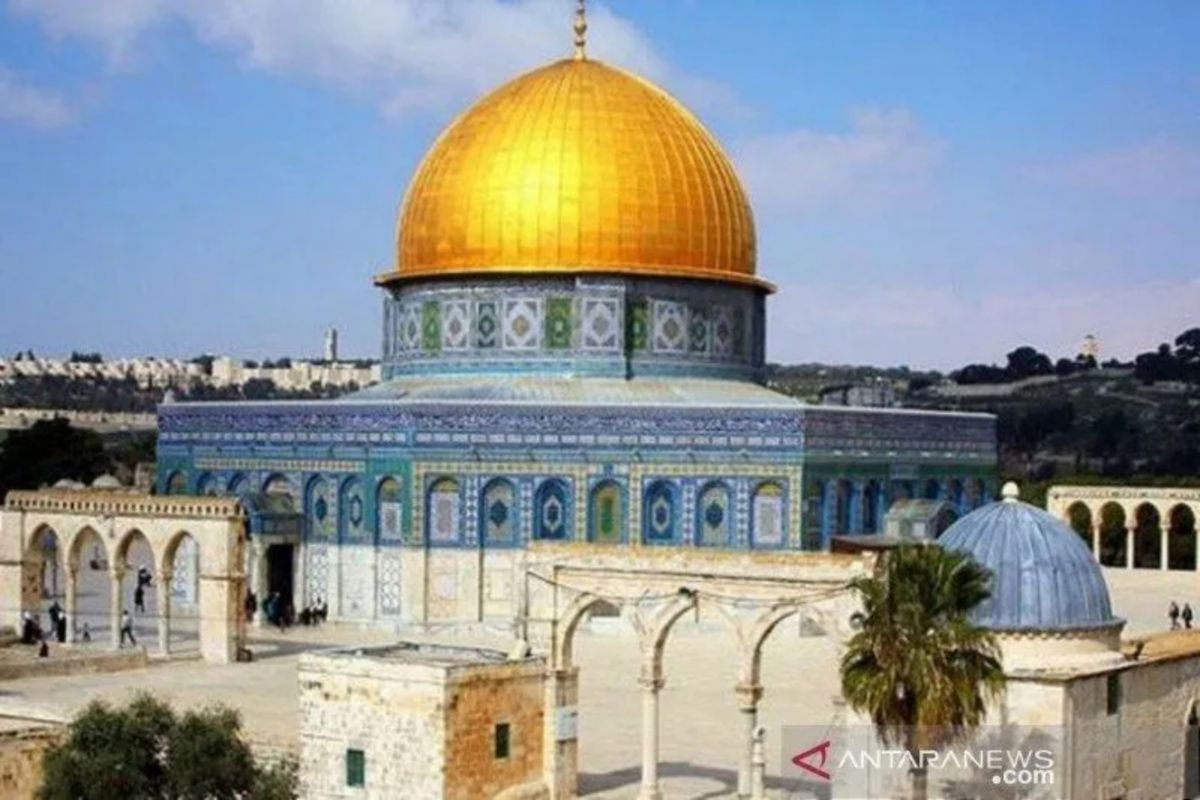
576 167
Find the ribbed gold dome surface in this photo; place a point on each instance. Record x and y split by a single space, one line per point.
576 167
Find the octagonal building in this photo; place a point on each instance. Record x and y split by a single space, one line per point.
573 347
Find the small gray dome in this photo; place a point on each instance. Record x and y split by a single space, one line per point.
1043 575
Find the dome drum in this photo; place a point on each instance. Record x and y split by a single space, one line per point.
601 325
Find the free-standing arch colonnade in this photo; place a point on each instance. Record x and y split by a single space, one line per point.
103 527
1136 527
751 592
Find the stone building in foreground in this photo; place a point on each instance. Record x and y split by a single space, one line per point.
422 722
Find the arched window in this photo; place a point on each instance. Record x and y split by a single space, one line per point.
239 485
498 513
322 522
767 516
280 487
714 514
606 515
177 483
552 511
444 513
207 485
659 518
933 490
389 510
352 512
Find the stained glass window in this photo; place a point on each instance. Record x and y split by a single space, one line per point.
658 513
389 508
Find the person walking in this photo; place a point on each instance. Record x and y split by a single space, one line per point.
1173 615
139 599
126 629
1187 616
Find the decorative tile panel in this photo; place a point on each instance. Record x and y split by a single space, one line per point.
670 327
456 325
431 326
522 324
601 325
558 323
487 325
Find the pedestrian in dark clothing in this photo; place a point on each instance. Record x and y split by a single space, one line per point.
44 650
86 634
1173 615
1187 615
251 604
126 629
139 599
60 629
55 612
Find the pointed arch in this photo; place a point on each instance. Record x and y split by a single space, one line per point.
1112 535
1079 517
389 510
499 513
352 512
176 483
660 513
1181 537
1147 537
714 515
606 513
239 485
768 515
319 509
552 510
443 514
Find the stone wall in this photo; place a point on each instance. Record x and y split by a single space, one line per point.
424 718
1137 752
21 754
479 700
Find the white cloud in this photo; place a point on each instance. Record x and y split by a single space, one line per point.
404 54
885 157
942 326
1158 167
31 106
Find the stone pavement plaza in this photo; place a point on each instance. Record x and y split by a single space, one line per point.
698 715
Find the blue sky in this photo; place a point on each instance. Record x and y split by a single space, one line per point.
933 182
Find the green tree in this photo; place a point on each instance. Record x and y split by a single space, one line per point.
146 752
918 666
48 451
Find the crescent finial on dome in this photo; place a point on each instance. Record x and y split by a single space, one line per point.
580 31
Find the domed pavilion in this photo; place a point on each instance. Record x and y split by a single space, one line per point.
574 349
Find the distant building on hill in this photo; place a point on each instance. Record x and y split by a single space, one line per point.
879 394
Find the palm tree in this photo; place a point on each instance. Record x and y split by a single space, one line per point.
917 664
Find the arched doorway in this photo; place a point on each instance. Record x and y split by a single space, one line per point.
1181 538
136 579
91 617
1079 517
1147 537
1112 535
177 595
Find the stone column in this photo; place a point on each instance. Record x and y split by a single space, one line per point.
560 742
1097 532
72 601
651 684
1164 553
1130 540
748 696
258 578
164 613
758 766
300 596
116 605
